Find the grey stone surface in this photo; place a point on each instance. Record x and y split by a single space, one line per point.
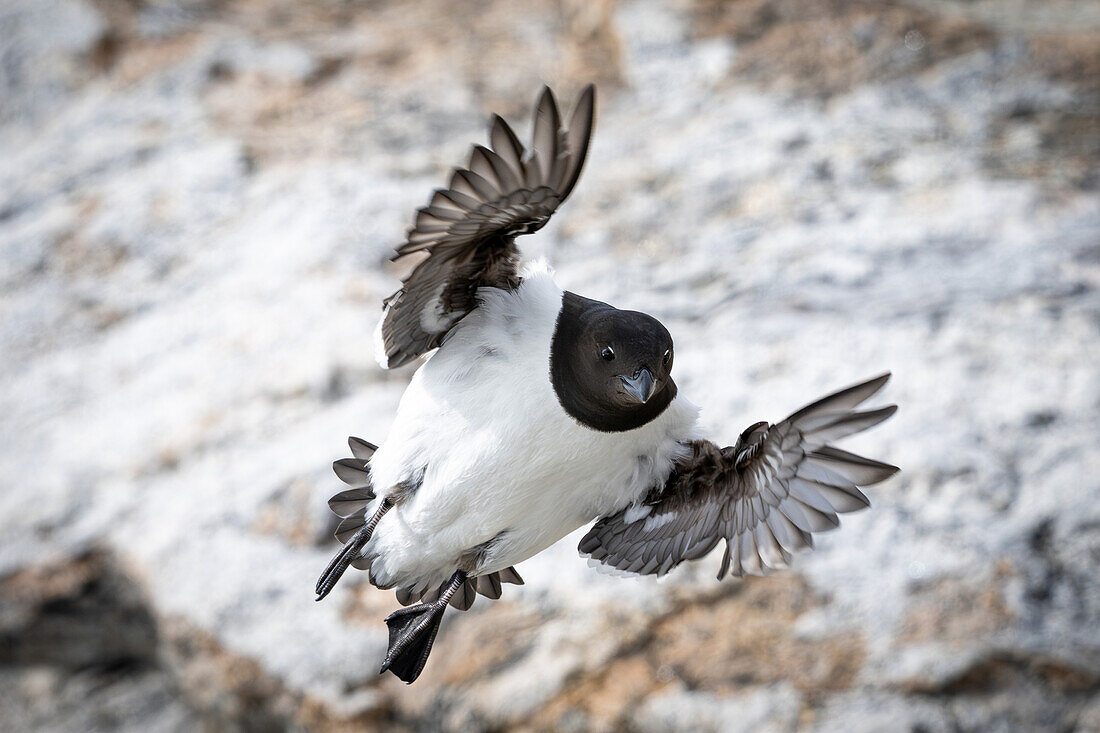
765 709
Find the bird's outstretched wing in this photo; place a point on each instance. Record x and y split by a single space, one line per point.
468 229
765 496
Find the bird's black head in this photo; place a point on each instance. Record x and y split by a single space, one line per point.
611 369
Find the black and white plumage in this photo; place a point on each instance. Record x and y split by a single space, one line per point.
541 410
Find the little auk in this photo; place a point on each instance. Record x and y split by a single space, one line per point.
538 410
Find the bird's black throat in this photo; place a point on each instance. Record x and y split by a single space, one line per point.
579 378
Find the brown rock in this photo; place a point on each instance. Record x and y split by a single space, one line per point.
747 638
825 47
955 610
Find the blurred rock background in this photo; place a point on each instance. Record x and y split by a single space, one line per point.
197 200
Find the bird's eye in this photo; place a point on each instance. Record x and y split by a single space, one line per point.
607 353
668 356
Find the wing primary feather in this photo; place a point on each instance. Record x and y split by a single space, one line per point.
580 133
509 179
849 424
480 165
725 566
506 144
843 499
544 138
859 470
460 199
808 494
819 521
750 556
441 200
532 170
459 184
844 399
482 187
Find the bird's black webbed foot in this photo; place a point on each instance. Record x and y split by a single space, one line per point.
413 631
350 551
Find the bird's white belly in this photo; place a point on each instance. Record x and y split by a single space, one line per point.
493 455
511 468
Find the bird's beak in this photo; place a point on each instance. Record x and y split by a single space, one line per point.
641 386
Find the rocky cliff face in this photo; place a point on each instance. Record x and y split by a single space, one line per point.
196 204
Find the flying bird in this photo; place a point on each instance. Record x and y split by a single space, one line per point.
538 410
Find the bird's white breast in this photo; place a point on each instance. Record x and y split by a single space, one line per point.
499 456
